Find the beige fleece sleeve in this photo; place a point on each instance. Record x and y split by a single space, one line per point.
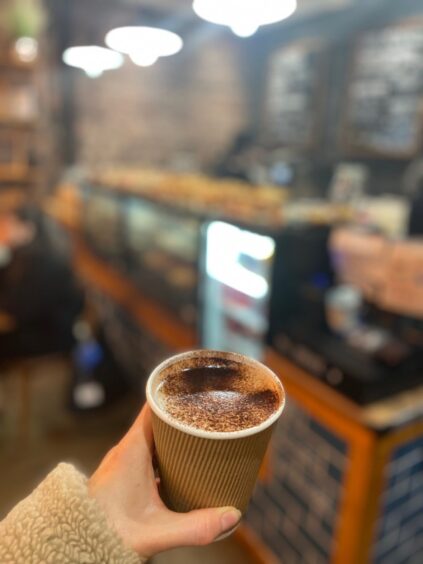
60 523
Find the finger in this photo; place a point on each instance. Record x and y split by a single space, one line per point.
135 449
203 526
199 527
141 431
147 428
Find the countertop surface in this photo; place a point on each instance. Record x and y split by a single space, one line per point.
393 411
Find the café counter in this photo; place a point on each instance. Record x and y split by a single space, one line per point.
340 483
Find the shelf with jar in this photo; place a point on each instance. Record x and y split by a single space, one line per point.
22 103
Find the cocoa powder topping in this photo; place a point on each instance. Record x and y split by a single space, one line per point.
218 397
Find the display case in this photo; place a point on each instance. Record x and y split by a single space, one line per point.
258 283
235 288
136 351
162 254
102 222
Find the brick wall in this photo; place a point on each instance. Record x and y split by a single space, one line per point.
191 103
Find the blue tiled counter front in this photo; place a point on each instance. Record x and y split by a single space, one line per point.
295 510
400 523
340 492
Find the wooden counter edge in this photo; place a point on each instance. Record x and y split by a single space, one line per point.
252 544
160 323
151 315
310 391
171 331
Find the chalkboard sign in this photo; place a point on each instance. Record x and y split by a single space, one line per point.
292 98
385 93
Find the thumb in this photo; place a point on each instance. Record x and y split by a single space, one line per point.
203 526
198 527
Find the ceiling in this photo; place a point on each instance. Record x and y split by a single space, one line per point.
178 14
80 21
176 5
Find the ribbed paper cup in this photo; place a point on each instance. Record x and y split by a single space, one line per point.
201 468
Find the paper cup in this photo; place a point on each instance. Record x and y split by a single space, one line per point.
201 468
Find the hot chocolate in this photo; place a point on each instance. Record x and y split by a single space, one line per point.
218 395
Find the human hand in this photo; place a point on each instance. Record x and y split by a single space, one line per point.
125 486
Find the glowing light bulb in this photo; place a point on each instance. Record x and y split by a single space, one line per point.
93 72
143 58
244 29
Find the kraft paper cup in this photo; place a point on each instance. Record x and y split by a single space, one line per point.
201 468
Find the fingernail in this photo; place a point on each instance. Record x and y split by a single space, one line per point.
229 519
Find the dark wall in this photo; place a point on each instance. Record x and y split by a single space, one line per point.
199 100
339 31
187 107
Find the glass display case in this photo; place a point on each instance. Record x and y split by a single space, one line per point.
162 250
136 351
102 221
236 286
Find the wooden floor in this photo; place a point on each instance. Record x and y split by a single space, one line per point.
56 434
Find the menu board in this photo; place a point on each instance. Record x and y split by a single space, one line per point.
385 95
292 99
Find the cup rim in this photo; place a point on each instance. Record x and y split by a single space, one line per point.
172 422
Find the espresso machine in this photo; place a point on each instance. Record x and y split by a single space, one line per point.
363 332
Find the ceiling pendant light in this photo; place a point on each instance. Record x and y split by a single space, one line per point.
144 44
92 59
244 17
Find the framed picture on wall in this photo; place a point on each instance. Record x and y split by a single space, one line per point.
383 115
293 96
